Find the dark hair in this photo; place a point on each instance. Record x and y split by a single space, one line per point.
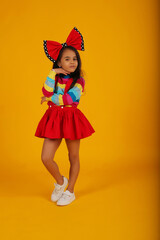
78 72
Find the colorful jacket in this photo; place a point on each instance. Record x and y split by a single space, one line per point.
57 95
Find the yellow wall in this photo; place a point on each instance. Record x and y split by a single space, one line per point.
120 62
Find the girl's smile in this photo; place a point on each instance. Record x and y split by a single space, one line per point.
72 66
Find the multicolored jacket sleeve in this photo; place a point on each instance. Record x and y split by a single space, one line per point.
49 85
73 95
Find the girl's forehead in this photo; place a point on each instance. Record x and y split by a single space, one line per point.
68 52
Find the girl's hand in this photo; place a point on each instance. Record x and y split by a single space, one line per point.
61 70
43 99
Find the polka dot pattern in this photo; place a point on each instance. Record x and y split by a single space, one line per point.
46 51
64 44
82 44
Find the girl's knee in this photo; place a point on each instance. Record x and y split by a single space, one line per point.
46 159
73 157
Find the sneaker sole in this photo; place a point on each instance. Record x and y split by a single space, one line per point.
62 204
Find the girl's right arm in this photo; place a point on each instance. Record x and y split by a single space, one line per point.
49 85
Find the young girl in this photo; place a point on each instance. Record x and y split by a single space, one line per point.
62 91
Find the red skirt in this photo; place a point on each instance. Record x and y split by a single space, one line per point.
64 122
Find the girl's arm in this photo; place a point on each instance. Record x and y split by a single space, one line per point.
73 95
49 85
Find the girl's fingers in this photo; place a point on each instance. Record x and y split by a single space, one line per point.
65 72
61 70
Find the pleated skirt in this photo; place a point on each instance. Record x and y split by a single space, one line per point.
64 122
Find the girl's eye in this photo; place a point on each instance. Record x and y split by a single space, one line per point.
73 59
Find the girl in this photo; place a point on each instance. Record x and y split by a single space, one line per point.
62 91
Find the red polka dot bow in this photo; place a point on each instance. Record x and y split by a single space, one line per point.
53 48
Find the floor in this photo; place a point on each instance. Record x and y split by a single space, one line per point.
113 202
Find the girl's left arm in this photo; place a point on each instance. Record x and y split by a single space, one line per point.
73 95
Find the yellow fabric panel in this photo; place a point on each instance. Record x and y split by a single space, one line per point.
48 98
79 86
61 85
52 74
60 100
49 89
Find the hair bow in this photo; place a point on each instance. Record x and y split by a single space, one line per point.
53 48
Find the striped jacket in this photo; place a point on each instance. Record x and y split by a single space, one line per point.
56 94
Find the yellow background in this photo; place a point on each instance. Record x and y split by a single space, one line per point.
117 188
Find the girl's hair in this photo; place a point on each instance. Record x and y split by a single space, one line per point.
78 72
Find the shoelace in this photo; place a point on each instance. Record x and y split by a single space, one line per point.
65 195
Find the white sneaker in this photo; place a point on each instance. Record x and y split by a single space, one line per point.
66 198
59 189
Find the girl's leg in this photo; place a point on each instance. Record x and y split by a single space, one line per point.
48 151
73 153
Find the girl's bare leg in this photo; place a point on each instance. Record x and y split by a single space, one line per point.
48 151
73 153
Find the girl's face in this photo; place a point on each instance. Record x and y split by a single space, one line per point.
68 61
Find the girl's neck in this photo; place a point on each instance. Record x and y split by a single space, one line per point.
65 76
